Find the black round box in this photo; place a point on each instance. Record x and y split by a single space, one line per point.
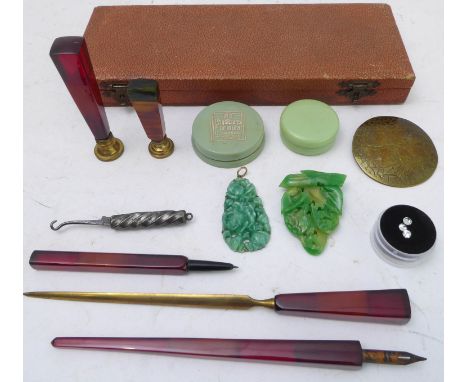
403 235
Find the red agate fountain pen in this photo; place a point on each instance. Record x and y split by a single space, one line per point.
328 353
121 263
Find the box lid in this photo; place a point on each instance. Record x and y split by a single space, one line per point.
274 47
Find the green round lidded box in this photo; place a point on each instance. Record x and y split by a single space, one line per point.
309 127
228 134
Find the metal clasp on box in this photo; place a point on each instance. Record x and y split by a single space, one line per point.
355 90
117 91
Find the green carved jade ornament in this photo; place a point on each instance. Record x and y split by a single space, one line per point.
246 226
311 206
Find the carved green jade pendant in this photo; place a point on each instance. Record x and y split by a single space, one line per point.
246 226
311 206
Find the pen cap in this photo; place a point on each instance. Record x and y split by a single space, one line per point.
109 262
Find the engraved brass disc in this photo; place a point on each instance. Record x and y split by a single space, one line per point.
394 151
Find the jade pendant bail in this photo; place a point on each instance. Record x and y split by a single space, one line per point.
242 172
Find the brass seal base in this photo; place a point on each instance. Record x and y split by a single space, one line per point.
161 149
108 149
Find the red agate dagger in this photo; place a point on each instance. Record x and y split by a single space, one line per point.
340 353
388 305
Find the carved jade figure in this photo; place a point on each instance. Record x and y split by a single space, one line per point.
311 206
245 224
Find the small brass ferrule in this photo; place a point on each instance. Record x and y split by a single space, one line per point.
161 149
108 149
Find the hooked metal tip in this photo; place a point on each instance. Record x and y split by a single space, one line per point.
92 222
56 228
64 223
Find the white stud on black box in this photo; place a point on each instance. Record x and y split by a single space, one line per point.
403 235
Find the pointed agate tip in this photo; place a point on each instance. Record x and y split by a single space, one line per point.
61 342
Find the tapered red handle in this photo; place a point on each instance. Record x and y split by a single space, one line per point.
343 353
109 262
144 96
70 56
389 305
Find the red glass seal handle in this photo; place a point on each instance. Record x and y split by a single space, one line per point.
71 58
144 97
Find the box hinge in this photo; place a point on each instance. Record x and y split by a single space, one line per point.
117 91
355 90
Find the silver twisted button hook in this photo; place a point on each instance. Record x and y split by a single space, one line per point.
134 220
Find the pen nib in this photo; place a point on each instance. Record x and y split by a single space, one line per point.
390 357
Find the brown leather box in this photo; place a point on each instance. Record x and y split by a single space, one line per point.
256 54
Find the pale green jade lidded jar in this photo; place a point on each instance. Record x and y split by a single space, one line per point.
309 127
228 134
